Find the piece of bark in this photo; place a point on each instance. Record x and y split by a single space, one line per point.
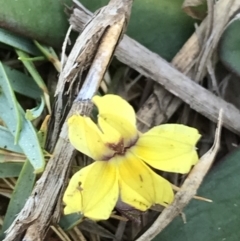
44 205
154 67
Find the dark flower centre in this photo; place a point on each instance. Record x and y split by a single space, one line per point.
119 148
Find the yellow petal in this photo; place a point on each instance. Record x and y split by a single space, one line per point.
115 105
128 132
109 134
118 114
169 147
85 136
93 191
140 187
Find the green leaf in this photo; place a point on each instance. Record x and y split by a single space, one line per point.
42 133
50 54
18 42
22 84
36 76
9 111
28 139
69 221
32 70
10 169
20 194
229 47
7 141
160 25
212 221
35 112
44 21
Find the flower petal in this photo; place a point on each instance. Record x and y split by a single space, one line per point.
128 132
115 105
109 134
93 191
140 187
169 147
85 136
118 114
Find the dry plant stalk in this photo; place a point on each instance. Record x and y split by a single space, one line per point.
43 207
187 190
154 67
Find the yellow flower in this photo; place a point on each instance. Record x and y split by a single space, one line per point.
122 157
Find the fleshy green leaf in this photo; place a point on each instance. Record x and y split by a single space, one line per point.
35 112
69 221
20 194
32 70
10 169
18 42
10 116
10 111
229 47
7 141
36 76
218 220
22 83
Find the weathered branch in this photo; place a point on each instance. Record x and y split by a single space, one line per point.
153 66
